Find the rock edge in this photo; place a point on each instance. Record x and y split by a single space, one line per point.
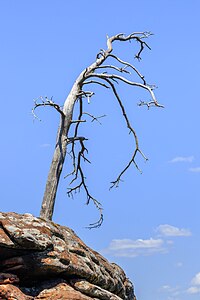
43 260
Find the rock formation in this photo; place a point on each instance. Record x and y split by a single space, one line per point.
42 260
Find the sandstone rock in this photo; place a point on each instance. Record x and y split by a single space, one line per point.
49 261
92 290
11 292
8 278
61 291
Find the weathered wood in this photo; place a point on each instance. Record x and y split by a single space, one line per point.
107 81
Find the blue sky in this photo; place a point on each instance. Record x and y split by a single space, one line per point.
151 225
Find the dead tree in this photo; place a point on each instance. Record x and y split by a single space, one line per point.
105 75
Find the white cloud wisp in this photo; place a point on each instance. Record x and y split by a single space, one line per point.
195 170
196 279
182 159
169 230
133 248
145 247
195 285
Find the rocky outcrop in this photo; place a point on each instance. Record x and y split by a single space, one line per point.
42 260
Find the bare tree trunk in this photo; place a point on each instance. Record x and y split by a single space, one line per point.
59 155
54 173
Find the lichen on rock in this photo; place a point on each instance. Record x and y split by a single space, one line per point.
43 260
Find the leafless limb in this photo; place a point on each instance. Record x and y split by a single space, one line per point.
78 171
133 132
86 94
121 70
130 66
138 36
148 104
94 118
100 220
73 139
89 197
78 121
46 102
96 82
123 79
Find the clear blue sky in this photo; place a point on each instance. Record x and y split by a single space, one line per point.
151 225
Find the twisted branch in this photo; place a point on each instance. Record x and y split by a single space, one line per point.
78 172
116 182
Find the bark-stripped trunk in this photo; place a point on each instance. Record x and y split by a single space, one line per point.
59 154
54 172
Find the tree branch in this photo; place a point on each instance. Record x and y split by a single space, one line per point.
96 82
121 70
86 94
123 79
137 149
129 65
71 191
77 163
46 102
138 36
94 118
74 138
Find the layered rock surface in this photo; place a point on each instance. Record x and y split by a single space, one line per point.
42 260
